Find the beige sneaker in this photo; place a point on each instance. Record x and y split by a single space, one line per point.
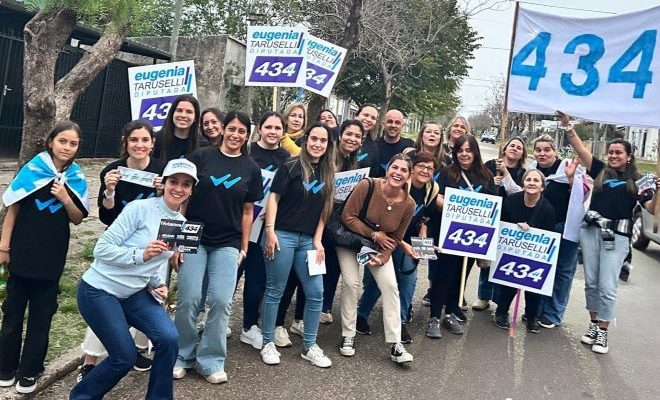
481 305
218 377
282 337
298 328
326 318
178 373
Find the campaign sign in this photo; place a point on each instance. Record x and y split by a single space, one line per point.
585 65
153 88
346 181
274 56
423 247
470 224
526 259
324 60
183 236
260 206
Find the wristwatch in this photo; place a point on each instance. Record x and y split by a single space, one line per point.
106 196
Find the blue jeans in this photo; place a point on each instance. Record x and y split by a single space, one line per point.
487 290
601 270
220 263
553 308
110 318
293 253
405 269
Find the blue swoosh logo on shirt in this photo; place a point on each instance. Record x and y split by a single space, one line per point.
362 156
223 180
614 183
271 167
138 197
418 208
52 204
313 186
384 166
476 189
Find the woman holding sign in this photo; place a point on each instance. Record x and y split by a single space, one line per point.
229 183
48 193
389 209
115 193
178 136
607 227
466 172
509 167
124 288
527 209
300 201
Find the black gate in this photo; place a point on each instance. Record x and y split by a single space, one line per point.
100 111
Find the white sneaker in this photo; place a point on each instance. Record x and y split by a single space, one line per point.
253 337
178 372
298 328
218 377
270 355
282 337
316 357
228 332
399 354
326 318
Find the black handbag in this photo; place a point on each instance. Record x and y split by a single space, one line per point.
340 235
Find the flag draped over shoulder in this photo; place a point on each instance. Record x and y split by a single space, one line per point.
39 172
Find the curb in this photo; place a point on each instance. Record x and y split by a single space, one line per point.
55 370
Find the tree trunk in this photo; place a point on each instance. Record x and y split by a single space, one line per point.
348 41
47 101
44 35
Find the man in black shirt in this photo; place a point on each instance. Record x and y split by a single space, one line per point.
391 142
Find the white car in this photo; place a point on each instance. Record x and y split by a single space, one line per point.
642 232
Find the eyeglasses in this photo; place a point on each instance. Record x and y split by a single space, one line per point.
423 167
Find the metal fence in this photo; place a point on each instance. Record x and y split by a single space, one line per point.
100 111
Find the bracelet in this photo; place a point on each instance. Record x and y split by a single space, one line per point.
107 196
568 127
268 225
373 236
243 252
4 250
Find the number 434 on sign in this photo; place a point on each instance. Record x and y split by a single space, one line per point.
643 46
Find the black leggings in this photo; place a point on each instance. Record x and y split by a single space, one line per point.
506 295
446 283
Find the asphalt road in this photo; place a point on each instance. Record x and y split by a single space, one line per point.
484 363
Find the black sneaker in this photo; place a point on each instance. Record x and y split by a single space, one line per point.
26 385
399 354
460 316
502 321
142 363
452 325
347 347
84 370
405 336
590 335
546 323
433 330
7 379
533 325
362 326
426 300
600 344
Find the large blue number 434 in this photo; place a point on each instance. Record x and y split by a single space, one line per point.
643 46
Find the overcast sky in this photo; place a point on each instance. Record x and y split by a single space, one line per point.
494 26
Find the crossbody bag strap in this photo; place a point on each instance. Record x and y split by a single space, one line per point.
365 205
465 178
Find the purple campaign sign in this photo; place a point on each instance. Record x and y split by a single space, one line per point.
317 77
276 69
468 238
155 110
522 271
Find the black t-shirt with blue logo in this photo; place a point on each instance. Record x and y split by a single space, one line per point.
368 157
301 203
387 150
267 159
419 195
40 239
614 201
125 192
558 194
225 184
541 216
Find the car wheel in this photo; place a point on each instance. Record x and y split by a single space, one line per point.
639 241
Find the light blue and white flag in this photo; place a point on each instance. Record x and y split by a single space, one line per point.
39 172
